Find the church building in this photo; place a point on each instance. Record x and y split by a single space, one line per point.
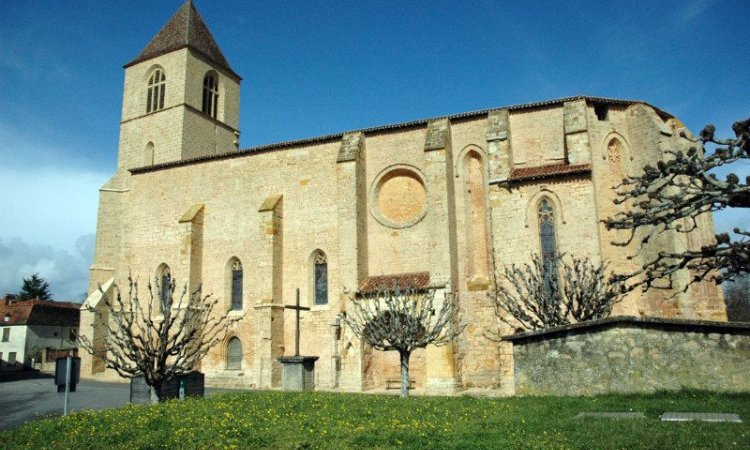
444 202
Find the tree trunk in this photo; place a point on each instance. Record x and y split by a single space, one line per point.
404 373
154 396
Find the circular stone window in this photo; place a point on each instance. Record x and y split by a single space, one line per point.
398 197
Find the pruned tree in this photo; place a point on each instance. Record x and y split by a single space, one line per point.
157 337
404 319
556 291
737 299
673 195
34 287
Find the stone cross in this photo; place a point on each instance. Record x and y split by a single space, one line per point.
297 308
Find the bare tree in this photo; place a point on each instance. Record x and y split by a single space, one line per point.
554 292
403 319
157 343
674 194
737 299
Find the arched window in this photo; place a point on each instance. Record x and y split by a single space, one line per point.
236 286
156 88
165 287
148 154
549 243
211 94
320 278
475 215
234 354
547 229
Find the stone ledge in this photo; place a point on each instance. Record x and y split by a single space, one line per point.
695 326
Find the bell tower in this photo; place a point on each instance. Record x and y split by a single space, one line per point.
181 98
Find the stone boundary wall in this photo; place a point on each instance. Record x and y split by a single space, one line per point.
631 354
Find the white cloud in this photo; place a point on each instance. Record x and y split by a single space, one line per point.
48 207
65 271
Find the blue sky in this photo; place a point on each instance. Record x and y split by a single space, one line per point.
314 67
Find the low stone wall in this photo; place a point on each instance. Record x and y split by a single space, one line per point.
630 354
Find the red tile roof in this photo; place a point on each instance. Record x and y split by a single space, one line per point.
415 280
552 170
39 312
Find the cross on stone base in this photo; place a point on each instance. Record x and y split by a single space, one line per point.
297 308
298 371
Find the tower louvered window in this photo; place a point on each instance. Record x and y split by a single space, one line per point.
210 94
156 90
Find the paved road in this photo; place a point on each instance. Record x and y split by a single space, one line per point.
25 400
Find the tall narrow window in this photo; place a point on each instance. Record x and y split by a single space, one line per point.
234 354
475 216
549 245
156 90
547 230
165 277
210 94
320 278
236 285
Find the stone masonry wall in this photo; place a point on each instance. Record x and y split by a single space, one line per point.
628 354
344 203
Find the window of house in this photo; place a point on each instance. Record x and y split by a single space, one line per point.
165 293
234 354
12 358
71 334
6 334
236 294
210 94
320 278
156 90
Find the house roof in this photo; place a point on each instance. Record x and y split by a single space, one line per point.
39 312
402 125
414 280
186 28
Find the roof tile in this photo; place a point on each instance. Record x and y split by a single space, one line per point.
414 280
39 312
186 28
552 170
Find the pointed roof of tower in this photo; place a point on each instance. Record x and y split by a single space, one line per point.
186 28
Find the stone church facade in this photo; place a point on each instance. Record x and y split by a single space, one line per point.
446 201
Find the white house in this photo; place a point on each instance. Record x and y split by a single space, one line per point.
35 332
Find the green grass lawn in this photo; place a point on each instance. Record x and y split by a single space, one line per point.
327 420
